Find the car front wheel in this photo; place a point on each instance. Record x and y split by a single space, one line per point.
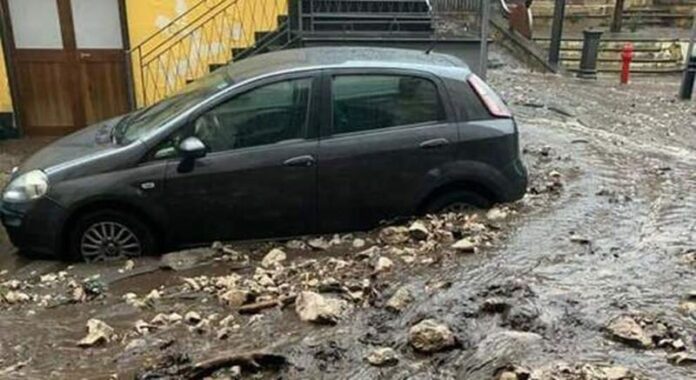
109 235
458 202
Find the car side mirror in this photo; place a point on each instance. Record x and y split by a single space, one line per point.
192 148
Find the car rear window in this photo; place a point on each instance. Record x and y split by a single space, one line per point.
372 102
468 105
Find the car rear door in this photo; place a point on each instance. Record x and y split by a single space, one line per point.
385 134
259 179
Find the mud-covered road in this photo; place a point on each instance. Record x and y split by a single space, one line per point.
592 276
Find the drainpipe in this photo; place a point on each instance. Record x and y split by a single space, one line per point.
557 32
485 28
687 87
617 21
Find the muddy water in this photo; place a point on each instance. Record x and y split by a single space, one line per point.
630 194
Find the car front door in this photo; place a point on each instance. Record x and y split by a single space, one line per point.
386 134
258 179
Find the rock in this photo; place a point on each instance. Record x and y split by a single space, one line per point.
466 245
382 356
234 297
682 358
625 329
129 265
394 235
153 295
166 319
179 261
418 231
359 243
313 307
494 306
383 264
496 214
617 373
368 253
98 332
319 244
274 258
15 297
508 375
400 300
143 328
296 245
136 344
192 317
431 336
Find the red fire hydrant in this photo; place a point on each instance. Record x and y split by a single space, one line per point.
626 58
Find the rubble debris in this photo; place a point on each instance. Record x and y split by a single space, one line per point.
400 300
430 336
682 358
275 257
234 297
259 306
98 332
319 244
313 307
382 356
384 264
496 214
627 330
251 362
418 231
394 235
192 318
466 245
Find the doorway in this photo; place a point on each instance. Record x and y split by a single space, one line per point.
68 61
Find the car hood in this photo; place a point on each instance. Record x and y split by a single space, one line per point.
75 148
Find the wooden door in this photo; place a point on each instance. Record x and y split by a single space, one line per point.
69 62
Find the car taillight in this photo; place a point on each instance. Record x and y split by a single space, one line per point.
490 99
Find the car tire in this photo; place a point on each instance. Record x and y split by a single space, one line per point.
457 201
119 232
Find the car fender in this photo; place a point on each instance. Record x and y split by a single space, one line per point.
476 172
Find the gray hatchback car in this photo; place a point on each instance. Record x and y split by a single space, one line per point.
284 144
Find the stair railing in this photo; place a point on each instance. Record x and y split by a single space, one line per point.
191 44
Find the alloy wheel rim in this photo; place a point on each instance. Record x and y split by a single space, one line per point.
109 241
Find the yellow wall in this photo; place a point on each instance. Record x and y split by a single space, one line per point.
5 98
190 58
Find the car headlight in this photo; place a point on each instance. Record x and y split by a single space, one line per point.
28 186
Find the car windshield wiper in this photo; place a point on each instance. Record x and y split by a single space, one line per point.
121 127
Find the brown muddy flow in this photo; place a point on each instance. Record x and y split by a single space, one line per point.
615 240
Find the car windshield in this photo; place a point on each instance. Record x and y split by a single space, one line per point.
146 120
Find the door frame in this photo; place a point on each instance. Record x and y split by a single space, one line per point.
10 51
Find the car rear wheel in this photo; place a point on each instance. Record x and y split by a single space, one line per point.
109 235
457 201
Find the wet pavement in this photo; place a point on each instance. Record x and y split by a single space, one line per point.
615 238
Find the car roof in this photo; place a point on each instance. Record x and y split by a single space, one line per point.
343 57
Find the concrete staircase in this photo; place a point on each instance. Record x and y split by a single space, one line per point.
666 13
651 56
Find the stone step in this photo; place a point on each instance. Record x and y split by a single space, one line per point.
575 43
636 67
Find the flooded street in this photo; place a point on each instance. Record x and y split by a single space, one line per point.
606 232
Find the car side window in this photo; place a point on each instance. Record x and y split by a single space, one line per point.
369 102
266 115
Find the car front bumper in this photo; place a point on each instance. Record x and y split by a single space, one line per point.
36 227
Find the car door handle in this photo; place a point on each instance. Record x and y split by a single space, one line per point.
301 161
435 143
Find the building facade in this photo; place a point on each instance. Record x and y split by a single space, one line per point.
69 63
